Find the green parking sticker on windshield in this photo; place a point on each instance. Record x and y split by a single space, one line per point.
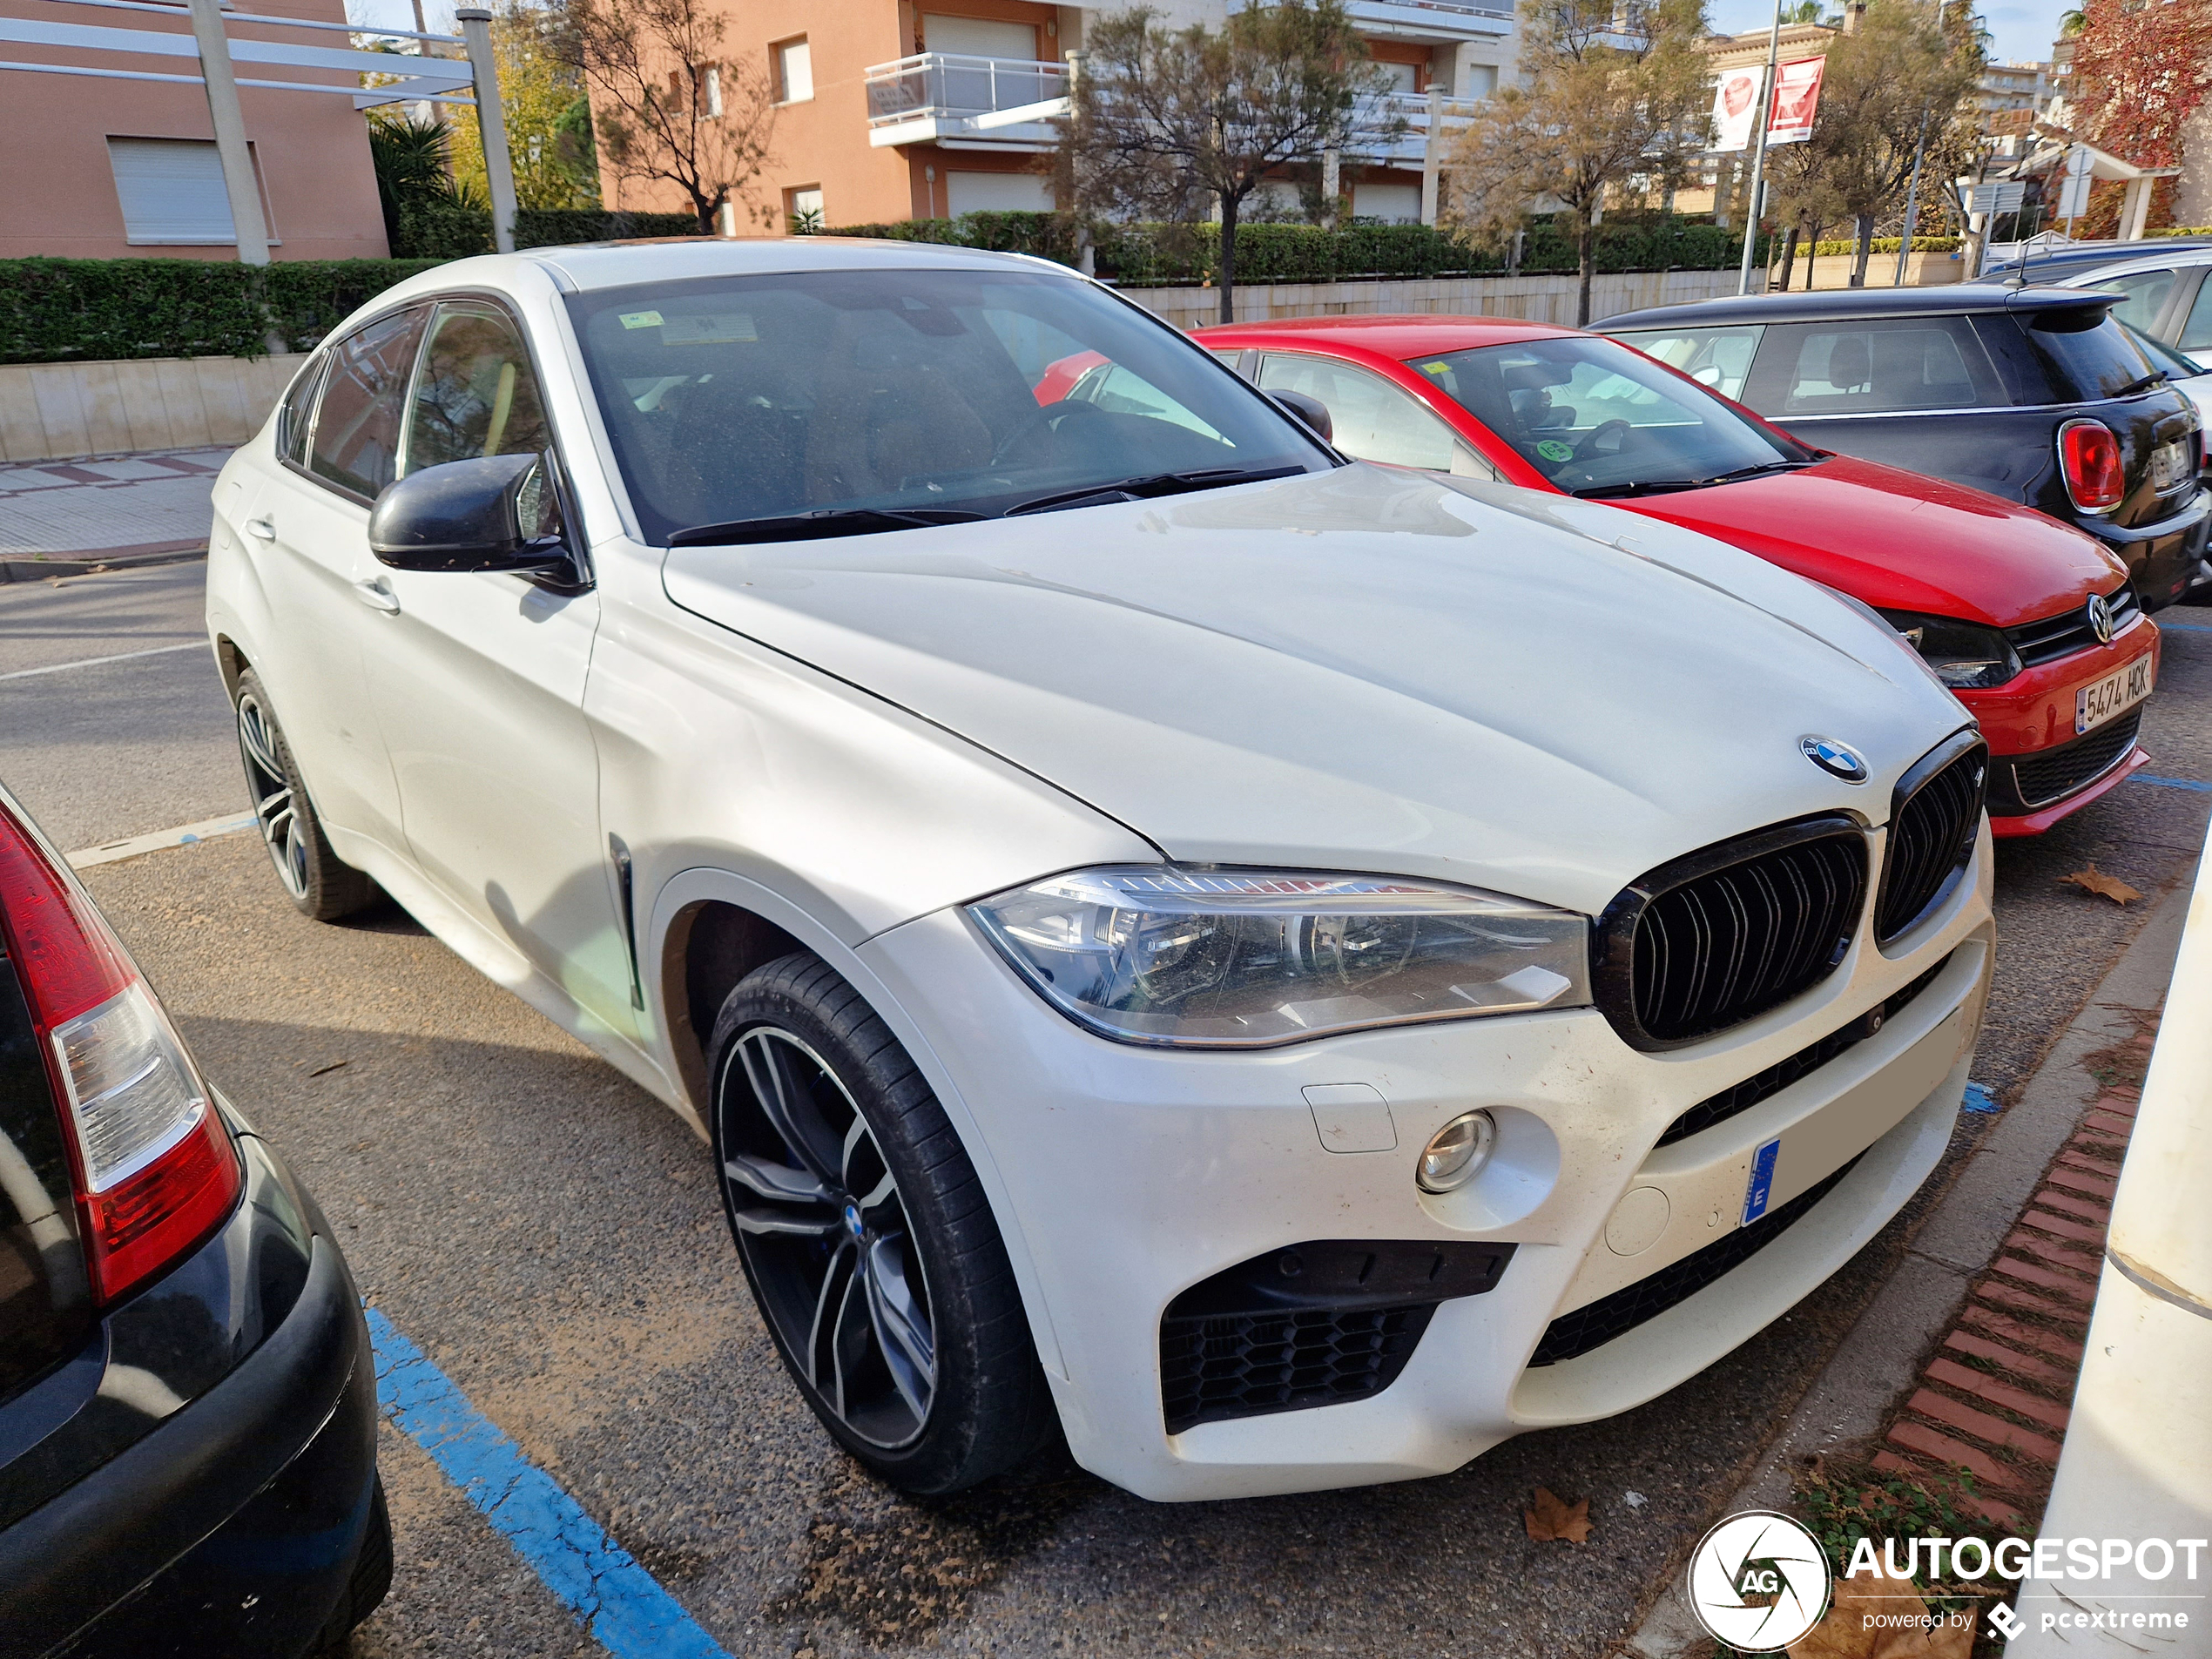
1552 450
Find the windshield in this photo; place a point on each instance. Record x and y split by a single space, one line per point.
1595 417
926 393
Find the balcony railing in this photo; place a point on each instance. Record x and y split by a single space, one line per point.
945 88
1374 118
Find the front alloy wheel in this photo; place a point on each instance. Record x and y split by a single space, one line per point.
316 879
866 1237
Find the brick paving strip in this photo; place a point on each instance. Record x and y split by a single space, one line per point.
1968 1354
1994 1397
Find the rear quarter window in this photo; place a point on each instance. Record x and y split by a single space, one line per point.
1870 365
2057 360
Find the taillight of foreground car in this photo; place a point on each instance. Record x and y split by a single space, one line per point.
2089 458
154 1168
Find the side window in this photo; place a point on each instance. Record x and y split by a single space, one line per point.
1870 368
1374 419
1720 357
2196 333
475 393
357 424
2146 291
296 416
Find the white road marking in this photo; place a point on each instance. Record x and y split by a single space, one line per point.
94 662
183 835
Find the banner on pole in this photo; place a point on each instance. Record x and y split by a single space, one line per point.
1796 95
1734 94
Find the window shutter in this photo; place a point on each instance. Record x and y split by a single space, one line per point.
172 192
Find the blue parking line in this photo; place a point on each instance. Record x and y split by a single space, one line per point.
2183 627
2175 783
614 1598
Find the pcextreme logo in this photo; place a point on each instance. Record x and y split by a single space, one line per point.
1758 1581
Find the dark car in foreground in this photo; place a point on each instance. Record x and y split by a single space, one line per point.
187 1398
2035 394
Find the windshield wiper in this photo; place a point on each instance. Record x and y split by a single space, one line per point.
1149 485
1659 486
820 526
2154 378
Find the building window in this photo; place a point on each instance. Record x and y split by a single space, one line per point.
980 38
710 98
803 210
172 195
997 192
795 71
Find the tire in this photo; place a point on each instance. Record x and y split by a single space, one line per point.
866 1237
316 879
371 1580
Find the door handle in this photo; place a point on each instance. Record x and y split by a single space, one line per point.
376 593
260 529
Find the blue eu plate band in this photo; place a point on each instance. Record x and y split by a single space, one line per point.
1761 1187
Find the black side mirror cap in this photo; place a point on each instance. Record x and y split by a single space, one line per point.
1310 410
495 512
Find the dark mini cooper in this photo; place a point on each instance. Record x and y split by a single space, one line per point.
2036 395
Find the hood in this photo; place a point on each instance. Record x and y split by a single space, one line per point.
1901 542
1362 670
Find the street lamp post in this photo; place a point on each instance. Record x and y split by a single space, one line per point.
1758 151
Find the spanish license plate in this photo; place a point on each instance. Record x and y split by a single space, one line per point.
2170 467
2114 695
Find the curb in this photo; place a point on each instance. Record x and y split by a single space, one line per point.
1987 1255
45 568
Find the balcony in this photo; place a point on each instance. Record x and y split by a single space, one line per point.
966 102
1375 116
1437 21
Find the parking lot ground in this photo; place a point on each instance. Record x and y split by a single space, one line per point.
549 1237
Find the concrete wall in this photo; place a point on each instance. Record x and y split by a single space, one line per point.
319 191
1534 299
51 411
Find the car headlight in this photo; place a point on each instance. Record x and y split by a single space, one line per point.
1233 958
1966 655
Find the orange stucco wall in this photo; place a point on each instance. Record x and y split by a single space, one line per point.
822 142
58 197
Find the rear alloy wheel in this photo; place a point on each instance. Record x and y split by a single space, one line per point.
866 1237
318 882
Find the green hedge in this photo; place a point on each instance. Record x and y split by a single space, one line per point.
59 311
2182 230
1887 245
1149 255
444 230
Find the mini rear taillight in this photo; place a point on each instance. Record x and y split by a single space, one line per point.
2089 458
154 1168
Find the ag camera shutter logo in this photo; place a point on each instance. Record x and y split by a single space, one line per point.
1758 1581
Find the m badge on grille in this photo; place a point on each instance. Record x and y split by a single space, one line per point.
1838 760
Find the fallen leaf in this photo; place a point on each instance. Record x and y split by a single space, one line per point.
2095 880
1551 1520
1849 1629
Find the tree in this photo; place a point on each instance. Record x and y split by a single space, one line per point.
671 105
1177 124
2140 72
538 88
1609 87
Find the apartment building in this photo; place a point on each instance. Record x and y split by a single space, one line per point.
2003 88
899 109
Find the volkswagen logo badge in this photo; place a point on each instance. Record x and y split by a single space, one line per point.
2100 617
1838 760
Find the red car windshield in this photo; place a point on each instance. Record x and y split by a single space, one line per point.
1598 419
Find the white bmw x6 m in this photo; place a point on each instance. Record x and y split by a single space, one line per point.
1285 971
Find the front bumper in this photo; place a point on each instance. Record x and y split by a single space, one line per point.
2030 720
1123 1175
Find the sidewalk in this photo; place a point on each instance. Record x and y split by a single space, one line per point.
120 507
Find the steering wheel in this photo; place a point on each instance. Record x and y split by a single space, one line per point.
1588 447
1046 418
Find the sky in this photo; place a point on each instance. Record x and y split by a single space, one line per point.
2020 31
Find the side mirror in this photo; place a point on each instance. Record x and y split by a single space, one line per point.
1310 410
497 513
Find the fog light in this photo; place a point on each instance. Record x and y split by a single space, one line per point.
1456 1153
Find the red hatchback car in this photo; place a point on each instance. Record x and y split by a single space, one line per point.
2032 624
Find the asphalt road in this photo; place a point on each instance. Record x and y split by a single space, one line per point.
549 1235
